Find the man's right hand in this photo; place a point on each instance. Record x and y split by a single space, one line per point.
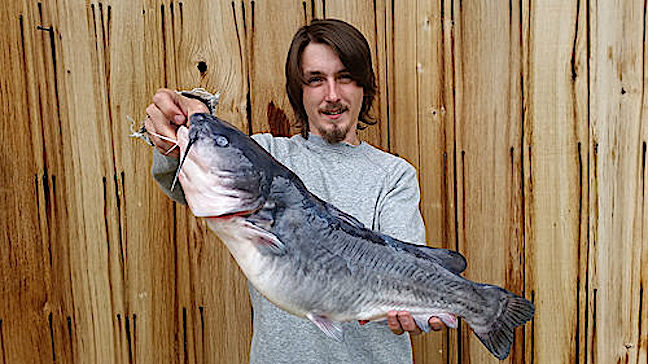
166 114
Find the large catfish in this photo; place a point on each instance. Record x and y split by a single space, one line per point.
315 261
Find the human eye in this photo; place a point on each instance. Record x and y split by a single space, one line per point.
314 80
345 77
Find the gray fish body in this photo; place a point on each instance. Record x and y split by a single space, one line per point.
315 261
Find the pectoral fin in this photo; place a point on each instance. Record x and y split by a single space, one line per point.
332 329
265 241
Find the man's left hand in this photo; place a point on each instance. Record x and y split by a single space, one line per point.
402 321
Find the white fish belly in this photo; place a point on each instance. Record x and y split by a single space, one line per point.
301 286
268 273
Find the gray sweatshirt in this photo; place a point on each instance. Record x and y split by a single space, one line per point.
381 191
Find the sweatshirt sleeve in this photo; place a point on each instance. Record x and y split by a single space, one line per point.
398 209
163 171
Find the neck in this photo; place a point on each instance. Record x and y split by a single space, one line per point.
353 140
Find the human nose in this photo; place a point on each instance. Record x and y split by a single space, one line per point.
332 93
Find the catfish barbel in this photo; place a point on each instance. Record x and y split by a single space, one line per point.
315 261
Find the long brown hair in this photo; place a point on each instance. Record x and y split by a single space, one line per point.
352 48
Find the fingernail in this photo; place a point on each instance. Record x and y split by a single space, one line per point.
179 119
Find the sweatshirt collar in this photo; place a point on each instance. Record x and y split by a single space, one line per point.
319 142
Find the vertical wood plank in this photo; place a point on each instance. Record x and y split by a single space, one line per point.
640 231
55 216
140 58
403 131
488 139
214 315
25 333
435 124
270 27
617 87
91 163
555 170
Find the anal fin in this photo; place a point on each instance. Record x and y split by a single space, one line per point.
332 329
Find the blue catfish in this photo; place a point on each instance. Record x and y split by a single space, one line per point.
315 261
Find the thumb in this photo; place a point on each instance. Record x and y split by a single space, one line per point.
190 106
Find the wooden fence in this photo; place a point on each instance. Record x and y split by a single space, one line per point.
527 122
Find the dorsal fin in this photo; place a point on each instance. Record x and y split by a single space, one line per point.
449 259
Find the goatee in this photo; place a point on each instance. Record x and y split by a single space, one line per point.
333 136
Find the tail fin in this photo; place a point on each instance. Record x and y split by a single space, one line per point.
498 338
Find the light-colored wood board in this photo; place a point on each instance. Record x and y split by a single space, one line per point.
435 123
212 32
212 329
24 334
222 328
488 140
555 170
641 234
89 165
403 105
449 237
103 20
616 91
142 53
270 27
52 176
579 90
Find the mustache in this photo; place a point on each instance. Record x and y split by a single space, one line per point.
335 106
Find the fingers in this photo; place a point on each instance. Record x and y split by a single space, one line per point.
436 324
393 323
157 125
407 323
402 321
176 108
168 103
167 112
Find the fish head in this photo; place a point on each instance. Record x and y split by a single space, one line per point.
218 168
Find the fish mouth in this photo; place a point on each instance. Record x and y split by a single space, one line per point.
182 160
229 215
212 192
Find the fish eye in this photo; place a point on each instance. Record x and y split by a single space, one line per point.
221 140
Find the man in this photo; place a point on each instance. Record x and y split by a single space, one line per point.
331 85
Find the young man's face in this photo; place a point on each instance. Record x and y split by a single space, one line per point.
331 98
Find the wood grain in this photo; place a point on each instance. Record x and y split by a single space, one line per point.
556 157
431 138
617 85
268 43
527 122
24 262
488 141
